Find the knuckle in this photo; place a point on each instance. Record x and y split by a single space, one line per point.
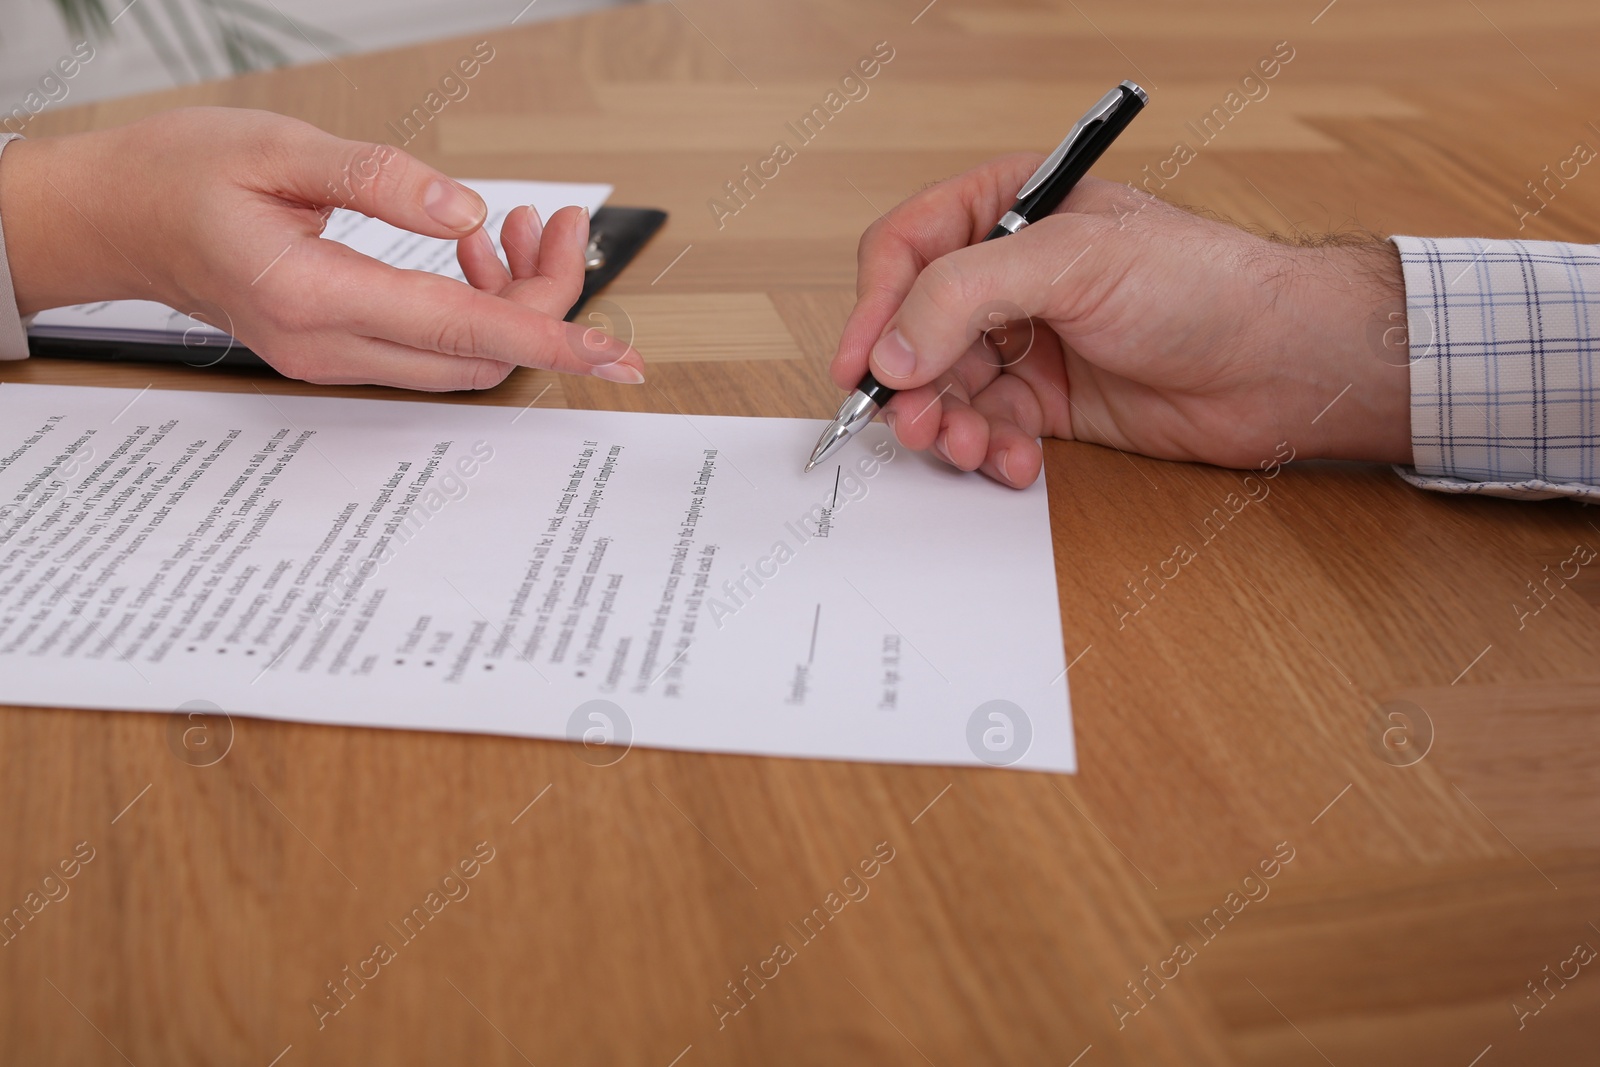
487 373
453 333
889 232
444 314
381 167
872 237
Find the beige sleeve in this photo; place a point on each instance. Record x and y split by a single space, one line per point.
13 330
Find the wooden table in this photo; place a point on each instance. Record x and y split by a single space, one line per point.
1441 859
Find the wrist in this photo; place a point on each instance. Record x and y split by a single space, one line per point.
1353 379
58 227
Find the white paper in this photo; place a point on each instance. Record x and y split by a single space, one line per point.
497 570
151 322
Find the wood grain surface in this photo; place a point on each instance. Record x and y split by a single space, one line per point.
1342 688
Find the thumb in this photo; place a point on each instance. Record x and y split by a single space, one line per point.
962 295
377 180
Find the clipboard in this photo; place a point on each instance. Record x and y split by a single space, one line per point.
616 236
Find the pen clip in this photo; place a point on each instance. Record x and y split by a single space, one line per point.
1053 160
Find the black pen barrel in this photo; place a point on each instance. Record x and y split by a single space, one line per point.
1085 155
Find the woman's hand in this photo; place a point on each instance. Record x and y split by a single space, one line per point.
1123 321
218 213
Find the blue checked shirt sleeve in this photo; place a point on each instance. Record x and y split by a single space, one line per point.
1505 366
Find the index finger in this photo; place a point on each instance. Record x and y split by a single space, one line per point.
894 250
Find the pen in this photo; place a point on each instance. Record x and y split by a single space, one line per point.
1040 194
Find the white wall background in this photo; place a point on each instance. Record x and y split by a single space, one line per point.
33 36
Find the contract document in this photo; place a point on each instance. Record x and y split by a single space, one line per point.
149 322
606 578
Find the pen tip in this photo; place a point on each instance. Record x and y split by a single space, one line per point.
809 465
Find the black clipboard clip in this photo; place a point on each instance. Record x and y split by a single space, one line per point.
616 236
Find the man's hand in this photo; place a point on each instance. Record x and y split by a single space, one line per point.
1123 321
219 212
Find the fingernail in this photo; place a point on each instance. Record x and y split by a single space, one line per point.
1001 461
620 373
535 223
888 420
452 205
893 356
939 447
